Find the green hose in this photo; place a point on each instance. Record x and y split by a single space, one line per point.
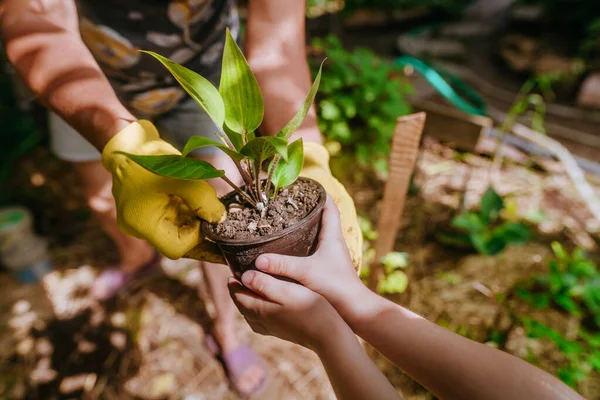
444 82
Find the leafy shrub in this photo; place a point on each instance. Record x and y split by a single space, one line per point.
395 280
583 354
483 230
572 283
359 101
448 6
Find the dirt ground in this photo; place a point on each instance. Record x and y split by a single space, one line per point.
148 343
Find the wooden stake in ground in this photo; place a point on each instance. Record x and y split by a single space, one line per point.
403 155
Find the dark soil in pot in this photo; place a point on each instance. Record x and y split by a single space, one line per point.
290 226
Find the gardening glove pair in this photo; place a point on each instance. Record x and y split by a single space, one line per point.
316 166
160 210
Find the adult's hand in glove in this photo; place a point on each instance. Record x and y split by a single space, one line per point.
161 210
316 166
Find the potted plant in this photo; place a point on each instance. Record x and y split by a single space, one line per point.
274 212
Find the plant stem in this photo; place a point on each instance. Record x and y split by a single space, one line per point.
272 167
243 171
257 182
240 191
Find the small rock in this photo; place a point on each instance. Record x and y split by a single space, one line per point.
24 347
84 346
42 373
23 322
252 226
21 307
163 385
118 320
76 383
44 347
118 340
518 344
589 94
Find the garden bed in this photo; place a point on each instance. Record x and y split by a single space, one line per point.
151 337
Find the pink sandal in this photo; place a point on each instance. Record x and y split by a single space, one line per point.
112 280
236 362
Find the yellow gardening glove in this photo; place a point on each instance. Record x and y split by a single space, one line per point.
163 211
316 166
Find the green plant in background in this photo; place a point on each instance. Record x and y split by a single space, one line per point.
20 134
447 6
237 110
582 354
359 101
483 230
395 280
572 283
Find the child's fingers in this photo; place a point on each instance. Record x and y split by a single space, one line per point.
267 286
257 327
291 267
250 304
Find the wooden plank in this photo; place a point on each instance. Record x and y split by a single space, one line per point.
403 155
450 125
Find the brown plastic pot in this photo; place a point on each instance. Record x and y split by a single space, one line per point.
299 240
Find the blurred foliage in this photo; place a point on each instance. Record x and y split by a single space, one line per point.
572 283
360 98
19 132
447 6
582 355
579 20
483 230
317 8
395 280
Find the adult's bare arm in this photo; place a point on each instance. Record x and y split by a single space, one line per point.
276 52
43 44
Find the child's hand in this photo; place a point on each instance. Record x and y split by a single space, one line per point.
328 272
286 310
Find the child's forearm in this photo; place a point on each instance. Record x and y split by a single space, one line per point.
352 373
447 364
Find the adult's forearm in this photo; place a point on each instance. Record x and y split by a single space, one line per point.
352 373
58 68
447 364
276 52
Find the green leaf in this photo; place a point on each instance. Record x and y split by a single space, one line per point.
244 106
512 233
494 245
175 166
491 204
394 260
396 282
263 147
583 268
234 137
568 304
198 87
469 222
560 252
196 142
341 131
288 171
296 121
460 241
329 110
